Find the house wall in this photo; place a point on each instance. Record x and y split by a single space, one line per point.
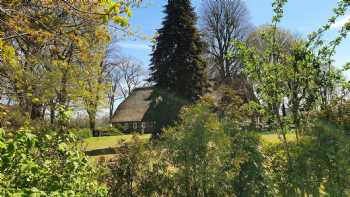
142 127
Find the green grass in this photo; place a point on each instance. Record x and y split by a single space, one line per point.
273 138
94 143
85 133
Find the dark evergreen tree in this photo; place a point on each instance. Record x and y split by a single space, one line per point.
176 64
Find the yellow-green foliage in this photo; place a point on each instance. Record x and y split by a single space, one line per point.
200 155
200 151
317 165
50 57
32 165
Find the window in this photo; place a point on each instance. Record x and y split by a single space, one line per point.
129 126
143 126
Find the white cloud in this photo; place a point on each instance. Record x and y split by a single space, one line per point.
340 23
137 46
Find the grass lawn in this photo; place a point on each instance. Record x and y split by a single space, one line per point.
94 143
97 143
273 138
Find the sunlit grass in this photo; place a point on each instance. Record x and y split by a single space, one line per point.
274 138
95 143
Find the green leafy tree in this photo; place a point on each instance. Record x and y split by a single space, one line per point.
41 43
292 81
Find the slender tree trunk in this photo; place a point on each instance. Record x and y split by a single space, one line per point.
36 112
9 100
111 107
43 112
52 112
63 99
92 123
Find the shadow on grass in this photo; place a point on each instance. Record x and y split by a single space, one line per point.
103 151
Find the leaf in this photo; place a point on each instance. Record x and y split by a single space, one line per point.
2 145
2 133
62 147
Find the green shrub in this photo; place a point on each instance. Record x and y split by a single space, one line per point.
86 132
45 166
11 117
139 169
200 149
112 131
201 155
212 157
82 133
252 179
320 161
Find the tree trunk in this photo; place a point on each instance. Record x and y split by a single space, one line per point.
52 114
92 124
36 112
111 108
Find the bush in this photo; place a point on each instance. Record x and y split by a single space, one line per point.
139 169
212 157
82 133
86 132
110 131
199 149
45 165
201 155
252 179
337 113
321 159
11 117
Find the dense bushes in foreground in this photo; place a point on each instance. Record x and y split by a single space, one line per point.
206 156
32 165
202 155
318 163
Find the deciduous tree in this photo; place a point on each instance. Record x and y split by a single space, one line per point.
42 43
223 21
126 75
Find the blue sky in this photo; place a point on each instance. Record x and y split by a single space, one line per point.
301 17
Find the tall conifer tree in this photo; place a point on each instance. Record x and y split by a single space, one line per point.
176 64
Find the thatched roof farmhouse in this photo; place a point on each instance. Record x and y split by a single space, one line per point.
131 113
147 109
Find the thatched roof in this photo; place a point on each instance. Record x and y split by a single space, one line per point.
134 107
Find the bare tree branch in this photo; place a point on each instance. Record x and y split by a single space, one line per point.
222 22
126 75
